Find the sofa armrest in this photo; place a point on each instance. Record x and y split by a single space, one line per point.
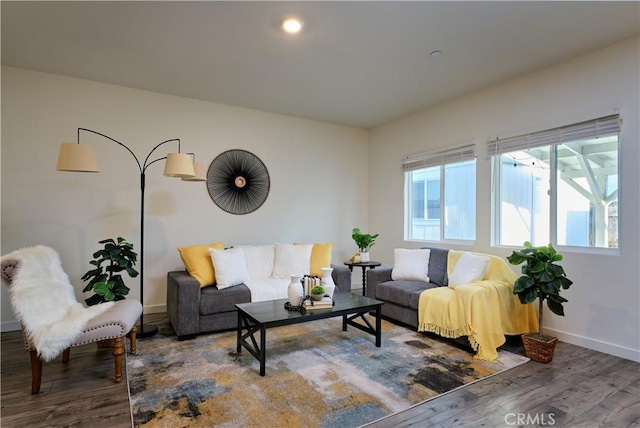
342 278
183 303
375 277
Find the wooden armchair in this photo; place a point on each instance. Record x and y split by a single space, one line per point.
115 323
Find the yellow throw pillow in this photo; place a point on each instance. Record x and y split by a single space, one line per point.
197 261
320 257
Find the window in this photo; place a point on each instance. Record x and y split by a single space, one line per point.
440 195
558 186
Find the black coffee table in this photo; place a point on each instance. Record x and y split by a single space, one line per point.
259 316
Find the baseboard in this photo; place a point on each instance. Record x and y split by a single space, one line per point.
6 326
155 309
596 345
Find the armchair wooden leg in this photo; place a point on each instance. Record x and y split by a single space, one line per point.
117 351
132 340
36 372
65 355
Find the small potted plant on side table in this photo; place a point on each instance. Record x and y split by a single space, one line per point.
541 279
364 241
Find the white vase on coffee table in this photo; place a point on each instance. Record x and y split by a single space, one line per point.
295 292
327 281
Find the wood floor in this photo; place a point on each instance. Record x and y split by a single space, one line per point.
579 388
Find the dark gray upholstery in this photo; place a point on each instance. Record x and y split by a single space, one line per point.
213 301
401 292
193 310
402 297
438 266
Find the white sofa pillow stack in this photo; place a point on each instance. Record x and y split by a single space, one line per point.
265 269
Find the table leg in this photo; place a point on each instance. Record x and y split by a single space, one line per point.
344 323
378 327
263 349
238 346
364 281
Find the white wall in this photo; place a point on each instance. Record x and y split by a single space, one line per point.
318 176
604 302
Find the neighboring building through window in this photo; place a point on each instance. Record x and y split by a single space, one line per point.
440 195
558 186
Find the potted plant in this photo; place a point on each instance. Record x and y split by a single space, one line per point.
364 241
105 280
317 292
541 279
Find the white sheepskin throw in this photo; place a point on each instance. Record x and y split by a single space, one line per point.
44 301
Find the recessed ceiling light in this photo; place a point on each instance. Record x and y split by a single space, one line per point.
292 25
436 53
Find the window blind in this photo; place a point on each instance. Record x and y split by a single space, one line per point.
602 127
425 160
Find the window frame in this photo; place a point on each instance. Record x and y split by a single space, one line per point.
612 126
438 159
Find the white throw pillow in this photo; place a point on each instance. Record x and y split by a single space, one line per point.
469 268
410 265
230 267
292 260
260 260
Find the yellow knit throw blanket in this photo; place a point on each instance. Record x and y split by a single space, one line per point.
484 310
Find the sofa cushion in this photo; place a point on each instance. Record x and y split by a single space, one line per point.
264 289
197 261
410 265
320 257
230 267
213 301
259 259
292 260
438 266
400 292
468 268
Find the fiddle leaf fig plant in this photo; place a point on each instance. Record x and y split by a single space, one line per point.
541 278
364 241
105 280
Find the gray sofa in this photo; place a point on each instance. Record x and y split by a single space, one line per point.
193 310
401 297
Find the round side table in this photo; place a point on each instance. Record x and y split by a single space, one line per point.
364 266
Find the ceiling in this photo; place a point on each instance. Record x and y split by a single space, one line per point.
359 63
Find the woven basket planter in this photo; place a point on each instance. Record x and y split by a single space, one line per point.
539 350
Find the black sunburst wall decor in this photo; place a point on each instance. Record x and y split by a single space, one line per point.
238 182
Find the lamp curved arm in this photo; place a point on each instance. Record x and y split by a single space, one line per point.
115 141
146 160
193 155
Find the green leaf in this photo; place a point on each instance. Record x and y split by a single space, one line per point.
555 307
549 288
558 298
528 296
94 300
523 283
566 282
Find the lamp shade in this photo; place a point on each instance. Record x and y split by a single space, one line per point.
77 158
179 165
199 170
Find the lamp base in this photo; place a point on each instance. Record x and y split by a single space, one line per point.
146 330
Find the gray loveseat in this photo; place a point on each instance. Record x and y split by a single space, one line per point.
401 297
193 310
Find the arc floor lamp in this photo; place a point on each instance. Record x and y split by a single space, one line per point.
76 157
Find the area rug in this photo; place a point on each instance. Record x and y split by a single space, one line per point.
316 376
